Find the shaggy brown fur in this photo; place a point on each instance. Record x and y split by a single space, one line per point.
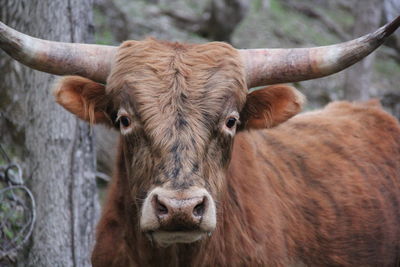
322 189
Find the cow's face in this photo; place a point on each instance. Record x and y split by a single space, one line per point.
178 109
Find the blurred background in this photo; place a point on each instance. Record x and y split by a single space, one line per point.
66 165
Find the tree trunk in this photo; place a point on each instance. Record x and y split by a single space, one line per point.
358 79
56 149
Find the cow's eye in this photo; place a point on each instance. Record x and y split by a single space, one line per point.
231 122
124 121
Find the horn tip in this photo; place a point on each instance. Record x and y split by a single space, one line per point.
392 26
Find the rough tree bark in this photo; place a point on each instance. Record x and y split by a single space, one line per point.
56 148
358 78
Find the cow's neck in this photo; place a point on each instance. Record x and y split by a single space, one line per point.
252 220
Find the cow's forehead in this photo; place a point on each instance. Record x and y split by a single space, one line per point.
153 70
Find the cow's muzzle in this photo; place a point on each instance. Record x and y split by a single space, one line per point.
178 216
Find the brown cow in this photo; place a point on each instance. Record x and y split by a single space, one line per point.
200 181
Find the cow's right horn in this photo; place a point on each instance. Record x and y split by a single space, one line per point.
87 60
271 66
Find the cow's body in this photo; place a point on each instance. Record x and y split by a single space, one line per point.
322 189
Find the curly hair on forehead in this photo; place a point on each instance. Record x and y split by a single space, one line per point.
172 84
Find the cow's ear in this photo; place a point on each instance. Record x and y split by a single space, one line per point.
84 98
270 106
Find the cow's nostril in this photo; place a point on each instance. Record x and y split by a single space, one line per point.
160 208
198 210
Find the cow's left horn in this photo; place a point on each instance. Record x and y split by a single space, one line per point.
91 61
271 66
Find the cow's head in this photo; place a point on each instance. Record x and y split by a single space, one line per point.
178 108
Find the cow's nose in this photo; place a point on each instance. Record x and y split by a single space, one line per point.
179 214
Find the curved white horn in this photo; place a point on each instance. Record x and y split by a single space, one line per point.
271 66
87 60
